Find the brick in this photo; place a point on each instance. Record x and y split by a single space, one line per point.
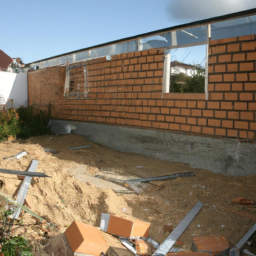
232 133
134 61
152 117
216 96
226 105
155 110
250 46
136 88
191 120
242 134
239 57
152 52
201 121
220 132
233 47
142 60
210 87
158 73
240 106
185 112
232 67
137 68
196 112
212 59
144 53
160 118
237 87
252 106
222 87
196 129
230 96
86 239
145 66
146 123
250 86
210 69
214 122
246 96
251 135
215 78
213 104
170 103
175 111
251 56
144 95
233 115
142 74
192 104
242 77
208 113
208 130
252 76
246 38
218 49
253 126
201 104
220 114
169 119
161 125
228 77
150 59
241 125
175 127
180 104
153 66
220 68
227 124
248 66
225 58
223 41
247 115
158 58
185 127
165 111
180 119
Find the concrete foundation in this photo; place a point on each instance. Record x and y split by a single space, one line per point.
229 157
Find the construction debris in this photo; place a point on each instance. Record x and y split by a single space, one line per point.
17 156
213 244
243 201
86 146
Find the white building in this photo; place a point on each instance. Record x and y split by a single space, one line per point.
179 67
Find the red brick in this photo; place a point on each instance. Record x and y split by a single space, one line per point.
239 57
242 134
208 130
246 96
165 111
144 95
218 49
185 112
196 112
248 66
223 41
220 68
143 116
161 103
152 52
169 118
150 59
196 129
232 67
175 111
210 69
136 68
226 105
253 126
229 77
175 127
146 123
251 56
210 87
145 66
208 113
240 106
201 104
142 60
179 119
192 104
220 114
241 125
251 135
134 61
158 73
233 47
158 58
214 122
201 121
233 115
144 53
180 104
185 128
152 117
170 103
248 46
237 87
160 65
250 86
246 38
212 59
242 77
220 132
155 110
216 96
160 118
191 120
213 104
162 125
222 87
252 76
246 115
153 65
232 133
225 58
252 106
230 96
215 78
227 124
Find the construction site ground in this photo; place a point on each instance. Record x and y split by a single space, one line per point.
70 194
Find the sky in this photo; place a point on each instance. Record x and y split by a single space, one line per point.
34 29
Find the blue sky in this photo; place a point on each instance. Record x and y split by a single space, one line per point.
33 29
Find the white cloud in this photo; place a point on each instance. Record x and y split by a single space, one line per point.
192 10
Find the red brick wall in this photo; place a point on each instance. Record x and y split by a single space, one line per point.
127 91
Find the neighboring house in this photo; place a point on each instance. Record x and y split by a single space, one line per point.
180 67
5 60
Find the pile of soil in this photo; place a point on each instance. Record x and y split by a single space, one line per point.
63 198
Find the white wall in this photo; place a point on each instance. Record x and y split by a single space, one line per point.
13 86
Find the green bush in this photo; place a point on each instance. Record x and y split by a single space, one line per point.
23 122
